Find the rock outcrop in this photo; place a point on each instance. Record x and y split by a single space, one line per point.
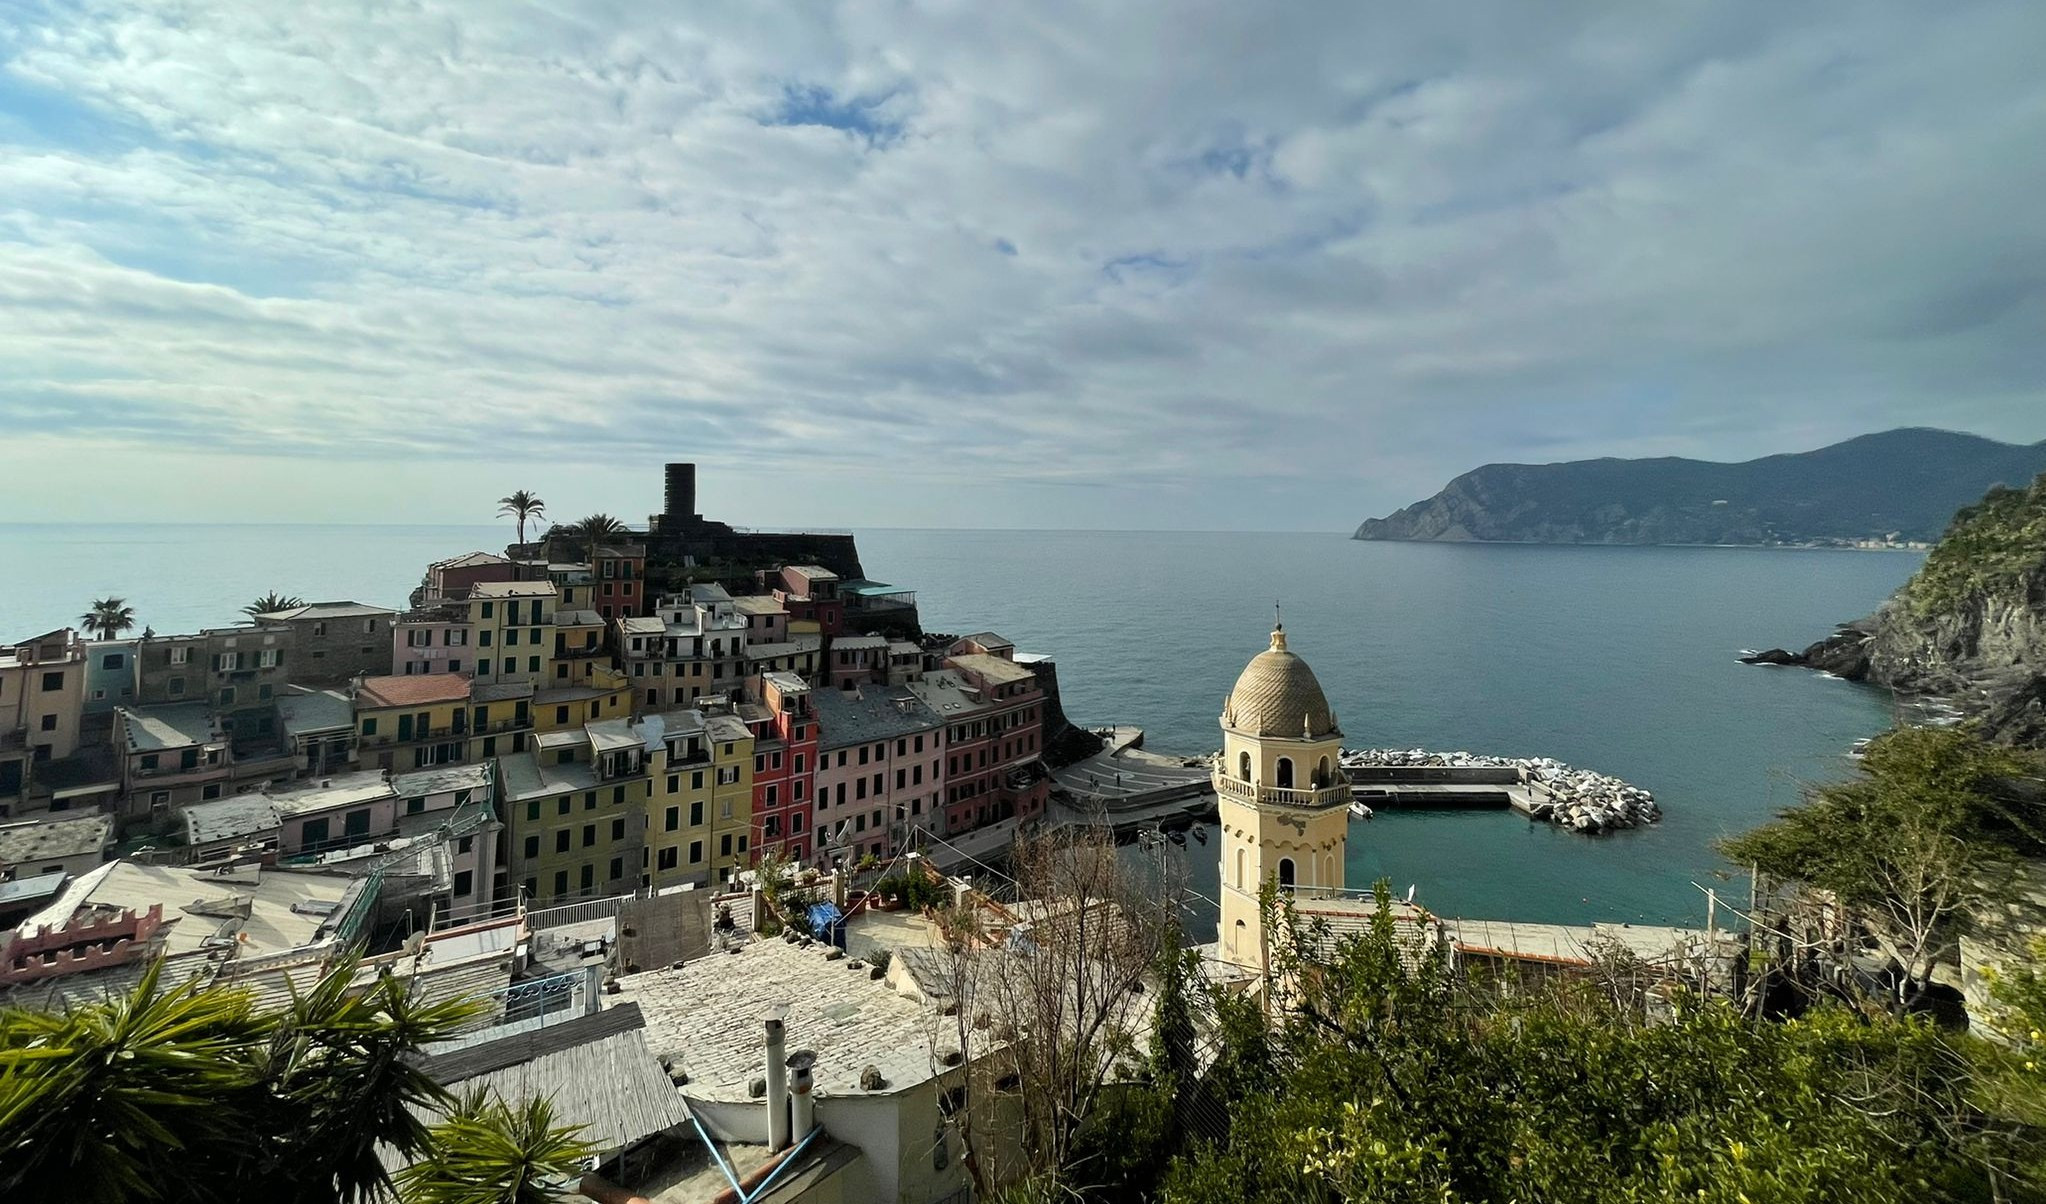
1970 626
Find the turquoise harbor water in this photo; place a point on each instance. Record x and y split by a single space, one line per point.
1615 659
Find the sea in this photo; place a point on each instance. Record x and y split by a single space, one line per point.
1617 659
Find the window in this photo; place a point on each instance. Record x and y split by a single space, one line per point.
666 860
696 852
266 659
560 882
562 804
369 726
1285 781
532 847
725 845
227 696
673 819
177 685
696 814
414 806
111 660
464 882
180 656
588 878
49 723
1285 873
561 841
483 670
617 868
226 662
589 835
313 832
617 831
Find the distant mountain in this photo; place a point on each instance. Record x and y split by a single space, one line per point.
1899 486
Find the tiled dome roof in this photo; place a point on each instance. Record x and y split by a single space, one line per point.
1279 696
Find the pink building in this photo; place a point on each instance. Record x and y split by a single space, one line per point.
880 759
335 813
432 641
994 727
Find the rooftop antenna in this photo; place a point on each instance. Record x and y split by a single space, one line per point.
1278 620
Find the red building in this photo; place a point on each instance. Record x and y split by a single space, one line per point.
619 572
809 592
784 724
994 737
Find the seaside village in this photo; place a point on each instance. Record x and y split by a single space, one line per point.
681 804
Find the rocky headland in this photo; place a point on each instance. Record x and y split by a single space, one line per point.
1969 627
1897 488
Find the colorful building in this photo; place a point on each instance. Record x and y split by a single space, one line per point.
785 755
880 771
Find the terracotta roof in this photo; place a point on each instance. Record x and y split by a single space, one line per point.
412 690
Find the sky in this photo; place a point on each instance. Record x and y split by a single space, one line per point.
1178 264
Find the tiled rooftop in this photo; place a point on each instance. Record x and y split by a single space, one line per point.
174 725
340 790
43 839
998 670
708 1016
229 818
407 690
877 713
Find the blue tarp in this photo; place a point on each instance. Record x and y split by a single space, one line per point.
827 923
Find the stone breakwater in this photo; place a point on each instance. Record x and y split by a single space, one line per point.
1556 793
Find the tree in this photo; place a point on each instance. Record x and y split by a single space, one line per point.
191 1093
270 603
1051 997
108 618
522 505
1391 1076
490 1152
597 528
1920 838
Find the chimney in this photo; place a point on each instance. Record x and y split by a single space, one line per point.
802 1106
777 1082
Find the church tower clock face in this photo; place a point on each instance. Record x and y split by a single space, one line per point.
1283 798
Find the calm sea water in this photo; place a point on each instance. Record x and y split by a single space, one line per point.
1615 659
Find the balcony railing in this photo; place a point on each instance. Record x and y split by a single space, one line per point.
1335 794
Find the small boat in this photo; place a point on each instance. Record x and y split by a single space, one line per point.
1200 833
1359 811
1860 748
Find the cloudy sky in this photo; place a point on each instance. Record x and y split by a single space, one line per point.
956 264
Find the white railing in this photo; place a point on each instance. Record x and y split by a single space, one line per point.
1335 794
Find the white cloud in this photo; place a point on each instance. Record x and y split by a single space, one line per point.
1077 265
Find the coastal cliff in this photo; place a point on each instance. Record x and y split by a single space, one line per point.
1897 487
1969 626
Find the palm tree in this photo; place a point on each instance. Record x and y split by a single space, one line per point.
597 528
522 505
195 1092
489 1151
272 601
108 618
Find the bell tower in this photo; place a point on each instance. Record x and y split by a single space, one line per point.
1283 797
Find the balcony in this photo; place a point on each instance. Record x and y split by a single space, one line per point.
1335 794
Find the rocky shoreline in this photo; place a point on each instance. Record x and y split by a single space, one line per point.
1578 799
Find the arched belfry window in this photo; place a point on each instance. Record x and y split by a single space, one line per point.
1321 778
1285 870
1285 773
1243 766
1236 937
1239 869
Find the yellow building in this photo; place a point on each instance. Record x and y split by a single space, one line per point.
699 809
1283 797
511 624
572 810
607 695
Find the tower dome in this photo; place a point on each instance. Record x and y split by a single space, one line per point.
1277 695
